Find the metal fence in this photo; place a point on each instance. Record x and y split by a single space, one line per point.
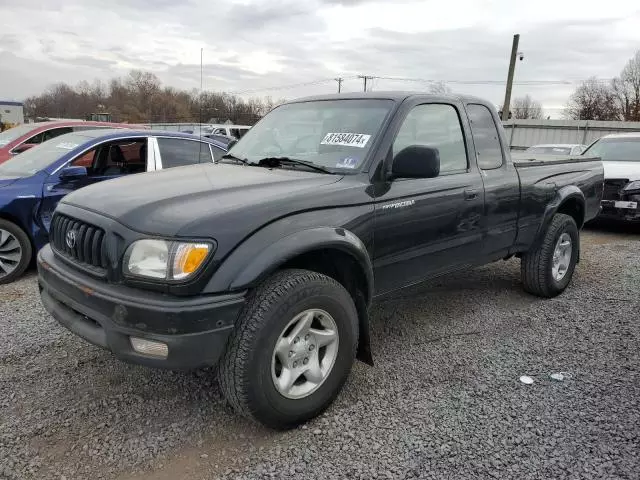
522 134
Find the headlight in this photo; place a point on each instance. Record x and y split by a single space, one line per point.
635 185
163 260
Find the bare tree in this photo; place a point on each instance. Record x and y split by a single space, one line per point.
626 89
592 100
439 88
525 107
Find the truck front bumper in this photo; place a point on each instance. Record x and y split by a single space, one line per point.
193 330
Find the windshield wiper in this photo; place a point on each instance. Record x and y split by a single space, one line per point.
233 157
277 161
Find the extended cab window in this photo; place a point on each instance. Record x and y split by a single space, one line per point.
178 152
438 126
485 137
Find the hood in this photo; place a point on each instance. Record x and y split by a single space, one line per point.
184 201
5 182
629 170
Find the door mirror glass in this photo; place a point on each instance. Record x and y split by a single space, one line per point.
70 173
22 148
416 161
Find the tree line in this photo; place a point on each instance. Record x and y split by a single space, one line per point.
141 98
618 99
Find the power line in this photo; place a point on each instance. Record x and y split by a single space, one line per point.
413 79
287 87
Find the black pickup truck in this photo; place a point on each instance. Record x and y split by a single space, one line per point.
267 263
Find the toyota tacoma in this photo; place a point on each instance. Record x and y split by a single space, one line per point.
266 263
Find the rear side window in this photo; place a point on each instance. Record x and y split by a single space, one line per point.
218 153
485 137
49 134
178 152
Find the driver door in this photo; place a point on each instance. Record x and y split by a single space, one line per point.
105 161
428 226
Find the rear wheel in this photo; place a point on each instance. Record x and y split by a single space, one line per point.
547 269
292 349
15 251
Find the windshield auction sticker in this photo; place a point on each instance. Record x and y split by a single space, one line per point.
358 140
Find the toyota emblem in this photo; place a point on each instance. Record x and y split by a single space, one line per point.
71 238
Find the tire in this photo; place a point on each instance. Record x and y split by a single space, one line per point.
249 363
15 252
537 265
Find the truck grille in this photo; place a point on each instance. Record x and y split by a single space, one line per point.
78 241
612 188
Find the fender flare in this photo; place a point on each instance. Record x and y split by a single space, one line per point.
245 268
568 192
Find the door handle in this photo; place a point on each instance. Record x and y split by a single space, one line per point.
470 194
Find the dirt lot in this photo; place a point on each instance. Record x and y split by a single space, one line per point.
443 401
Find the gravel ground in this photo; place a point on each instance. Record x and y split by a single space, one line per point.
443 401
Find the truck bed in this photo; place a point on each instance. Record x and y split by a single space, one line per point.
542 178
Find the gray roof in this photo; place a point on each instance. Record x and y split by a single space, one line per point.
390 95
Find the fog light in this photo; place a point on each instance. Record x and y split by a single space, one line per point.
149 347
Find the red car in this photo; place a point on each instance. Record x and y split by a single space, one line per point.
18 139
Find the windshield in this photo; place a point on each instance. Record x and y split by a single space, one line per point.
14 133
549 150
616 149
41 156
335 134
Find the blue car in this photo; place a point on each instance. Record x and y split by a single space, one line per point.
32 183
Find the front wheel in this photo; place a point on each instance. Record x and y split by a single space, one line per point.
548 268
15 252
292 349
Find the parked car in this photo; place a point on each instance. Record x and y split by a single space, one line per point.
267 263
32 184
221 138
231 131
23 137
556 149
620 155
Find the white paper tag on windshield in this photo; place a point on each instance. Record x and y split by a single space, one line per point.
67 145
358 140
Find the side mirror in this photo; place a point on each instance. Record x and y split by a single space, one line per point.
416 161
23 148
71 173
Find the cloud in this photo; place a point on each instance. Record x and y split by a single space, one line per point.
253 45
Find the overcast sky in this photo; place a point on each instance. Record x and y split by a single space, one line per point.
251 45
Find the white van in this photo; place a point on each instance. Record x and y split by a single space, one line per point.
234 131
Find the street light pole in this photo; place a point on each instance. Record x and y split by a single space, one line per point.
512 66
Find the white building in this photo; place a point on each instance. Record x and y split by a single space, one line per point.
11 112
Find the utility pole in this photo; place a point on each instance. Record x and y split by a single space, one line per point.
512 66
201 90
339 80
365 78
